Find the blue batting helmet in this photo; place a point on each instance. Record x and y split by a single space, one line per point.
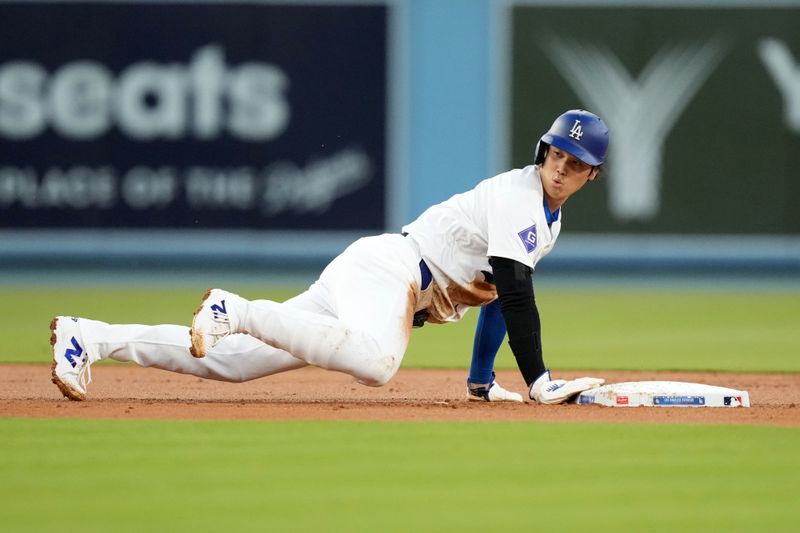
579 132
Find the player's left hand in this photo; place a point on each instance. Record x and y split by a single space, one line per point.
547 391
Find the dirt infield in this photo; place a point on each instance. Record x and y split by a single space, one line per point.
124 391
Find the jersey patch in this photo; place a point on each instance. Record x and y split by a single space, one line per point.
528 237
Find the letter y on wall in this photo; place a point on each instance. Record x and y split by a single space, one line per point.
780 64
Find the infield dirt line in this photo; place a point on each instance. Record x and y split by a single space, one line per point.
122 391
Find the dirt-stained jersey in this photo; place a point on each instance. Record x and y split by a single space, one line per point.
502 216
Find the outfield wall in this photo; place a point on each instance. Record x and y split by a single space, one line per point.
263 131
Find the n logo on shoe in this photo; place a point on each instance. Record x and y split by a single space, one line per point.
220 308
73 353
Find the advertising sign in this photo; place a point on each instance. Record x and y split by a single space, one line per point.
702 102
186 115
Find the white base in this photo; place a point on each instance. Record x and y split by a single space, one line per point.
663 394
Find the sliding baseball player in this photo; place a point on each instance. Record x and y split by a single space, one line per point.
477 249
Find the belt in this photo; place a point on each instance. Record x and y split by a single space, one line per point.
424 272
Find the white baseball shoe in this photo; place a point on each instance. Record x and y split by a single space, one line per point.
212 321
492 392
70 368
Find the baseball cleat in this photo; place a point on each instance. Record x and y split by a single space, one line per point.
70 369
211 322
492 392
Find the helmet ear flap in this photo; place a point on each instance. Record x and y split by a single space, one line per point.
540 152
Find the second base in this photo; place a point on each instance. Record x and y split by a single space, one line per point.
663 394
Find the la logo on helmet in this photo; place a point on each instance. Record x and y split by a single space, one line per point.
576 132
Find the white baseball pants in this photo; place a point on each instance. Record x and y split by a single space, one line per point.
355 319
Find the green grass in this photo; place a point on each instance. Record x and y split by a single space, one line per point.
79 475
582 329
100 475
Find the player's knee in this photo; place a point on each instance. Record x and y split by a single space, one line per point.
227 375
375 380
379 371
237 378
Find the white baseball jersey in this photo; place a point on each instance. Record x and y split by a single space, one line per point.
502 216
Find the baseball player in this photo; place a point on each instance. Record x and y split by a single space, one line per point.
476 249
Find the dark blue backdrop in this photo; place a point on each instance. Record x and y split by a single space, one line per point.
326 169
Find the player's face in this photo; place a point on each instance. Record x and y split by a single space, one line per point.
563 175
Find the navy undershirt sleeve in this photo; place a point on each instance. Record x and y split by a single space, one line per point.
489 335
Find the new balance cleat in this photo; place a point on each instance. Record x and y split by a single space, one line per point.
211 322
491 392
71 367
